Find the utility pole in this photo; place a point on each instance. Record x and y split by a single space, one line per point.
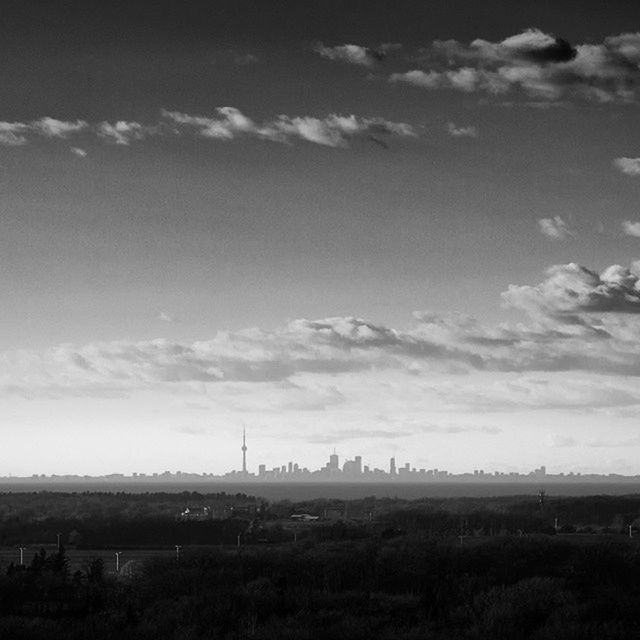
178 547
117 554
58 536
22 555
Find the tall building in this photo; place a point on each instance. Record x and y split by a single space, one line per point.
392 467
244 451
352 467
334 461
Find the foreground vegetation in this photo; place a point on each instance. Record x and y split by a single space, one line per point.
410 587
393 569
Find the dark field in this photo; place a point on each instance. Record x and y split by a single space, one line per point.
80 559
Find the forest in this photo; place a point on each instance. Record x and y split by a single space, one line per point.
441 569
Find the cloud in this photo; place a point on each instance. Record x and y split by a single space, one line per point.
333 131
541 66
11 134
461 132
167 317
123 132
605 443
244 59
191 431
355 434
571 289
555 228
77 151
228 123
14 134
459 428
52 128
629 166
559 441
577 320
352 54
535 46
631 228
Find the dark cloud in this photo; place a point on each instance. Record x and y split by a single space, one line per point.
535 46
378 141
541 66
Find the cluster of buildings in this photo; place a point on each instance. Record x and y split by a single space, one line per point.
354 470
351 470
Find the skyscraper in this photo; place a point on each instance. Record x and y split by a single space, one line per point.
244 452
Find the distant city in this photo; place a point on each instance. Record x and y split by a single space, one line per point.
333 472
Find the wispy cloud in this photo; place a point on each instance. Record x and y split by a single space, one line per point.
332 131
560 441
631 228
555 228
244 59
167 317
461 132
123 132
191 431
333 437
52 128
629 166
11 134
14 134
355 54
227 123
454 429
77 151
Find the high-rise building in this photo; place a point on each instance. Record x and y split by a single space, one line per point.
334 461
392 467
244 452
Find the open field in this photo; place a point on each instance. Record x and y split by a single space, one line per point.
79 559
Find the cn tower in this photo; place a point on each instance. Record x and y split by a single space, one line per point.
244 452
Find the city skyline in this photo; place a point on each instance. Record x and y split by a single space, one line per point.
405 232
351 470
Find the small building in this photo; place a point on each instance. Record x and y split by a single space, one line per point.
304 517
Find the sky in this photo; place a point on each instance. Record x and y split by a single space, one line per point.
402 228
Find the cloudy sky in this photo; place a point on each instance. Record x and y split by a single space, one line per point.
393 228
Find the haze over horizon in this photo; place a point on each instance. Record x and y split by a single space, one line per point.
394 228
